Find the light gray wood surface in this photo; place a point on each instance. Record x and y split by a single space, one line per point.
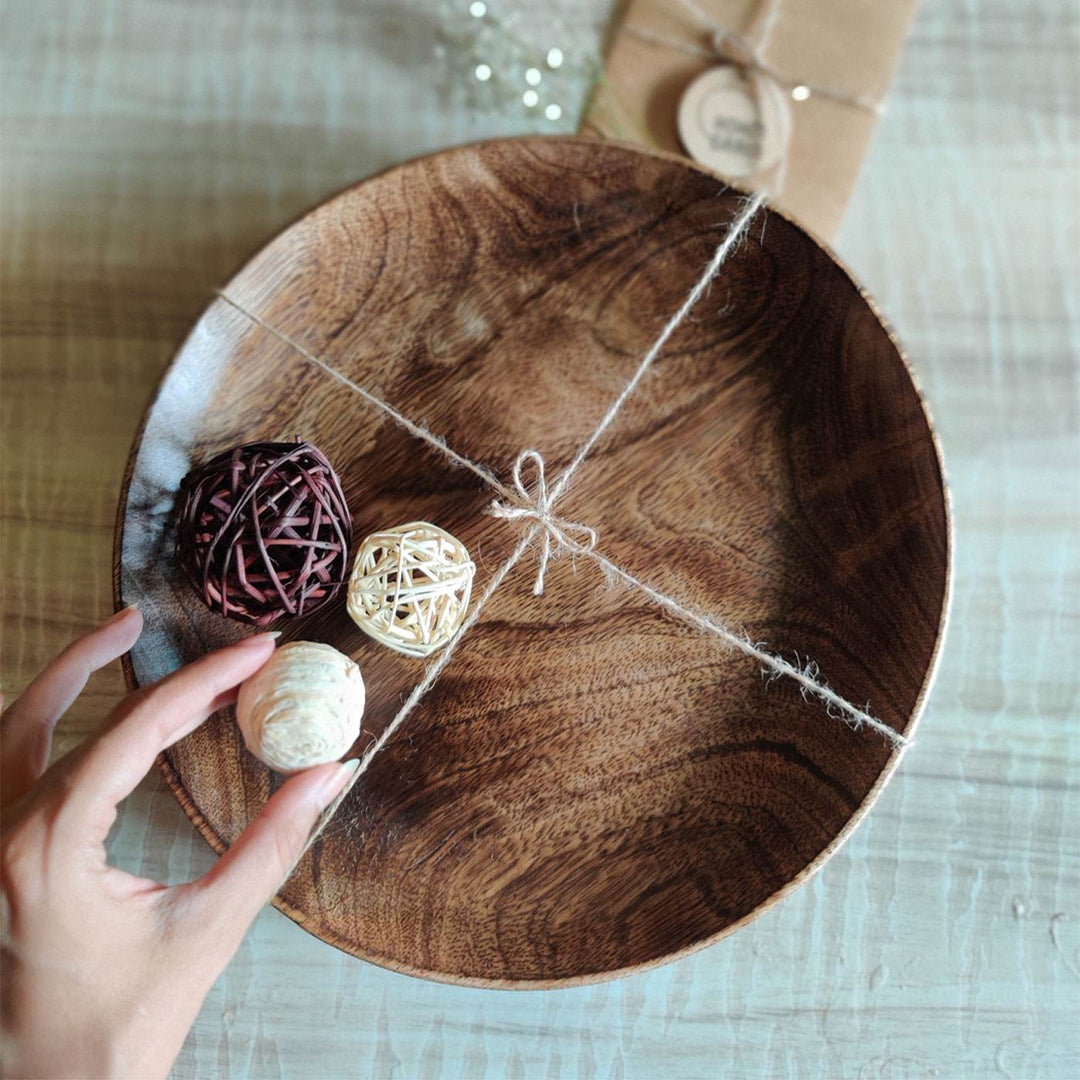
149 146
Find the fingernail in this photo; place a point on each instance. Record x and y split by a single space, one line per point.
123 613
335 783
268 635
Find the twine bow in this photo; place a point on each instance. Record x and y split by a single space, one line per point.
538 505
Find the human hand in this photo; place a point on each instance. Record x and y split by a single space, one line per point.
103 972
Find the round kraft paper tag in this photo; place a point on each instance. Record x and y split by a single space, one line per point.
721 124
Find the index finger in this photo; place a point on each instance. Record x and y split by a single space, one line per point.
152 720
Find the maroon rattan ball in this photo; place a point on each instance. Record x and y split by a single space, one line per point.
263 531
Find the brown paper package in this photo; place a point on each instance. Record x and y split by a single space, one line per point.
848 45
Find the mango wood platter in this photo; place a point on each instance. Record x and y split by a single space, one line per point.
592 786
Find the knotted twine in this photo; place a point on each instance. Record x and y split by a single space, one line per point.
771 90
538 507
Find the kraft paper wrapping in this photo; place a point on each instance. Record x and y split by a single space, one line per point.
848 45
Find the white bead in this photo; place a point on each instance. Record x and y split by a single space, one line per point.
302 707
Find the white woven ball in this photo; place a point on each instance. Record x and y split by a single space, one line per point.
410 587
302 707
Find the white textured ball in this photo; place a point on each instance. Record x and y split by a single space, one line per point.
302 707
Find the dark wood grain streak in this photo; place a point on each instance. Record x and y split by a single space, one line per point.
591 786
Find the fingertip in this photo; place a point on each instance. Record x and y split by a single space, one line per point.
264 642
244 657
329 780
317 786
115 636
249 654
130 619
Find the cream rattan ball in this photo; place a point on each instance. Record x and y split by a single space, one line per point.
302 707
410 587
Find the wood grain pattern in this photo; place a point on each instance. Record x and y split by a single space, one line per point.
149 147
590 786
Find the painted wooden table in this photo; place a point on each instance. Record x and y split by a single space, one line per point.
149 146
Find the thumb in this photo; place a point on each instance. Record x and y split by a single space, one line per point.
248 875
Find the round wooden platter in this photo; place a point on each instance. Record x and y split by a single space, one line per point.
591 786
